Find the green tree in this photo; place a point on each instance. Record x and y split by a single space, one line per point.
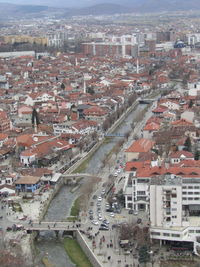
144 256
190 103
197 155
62 86
188 144
35 118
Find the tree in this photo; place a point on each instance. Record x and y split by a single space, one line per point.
197 155
62 86
35 118
188 145
190 103
144 256
81 145
127 134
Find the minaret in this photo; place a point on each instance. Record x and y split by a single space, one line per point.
84 85
137 67
76 62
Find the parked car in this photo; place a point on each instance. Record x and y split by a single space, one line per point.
103 228
109 210
106 222
91 217
94 197
139 220
104 225
130 212
95 222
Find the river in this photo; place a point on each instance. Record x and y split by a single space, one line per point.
60 206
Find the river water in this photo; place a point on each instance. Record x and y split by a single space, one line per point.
60 206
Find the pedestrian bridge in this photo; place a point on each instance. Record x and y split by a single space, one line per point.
146 100
53 226
74 175
114 135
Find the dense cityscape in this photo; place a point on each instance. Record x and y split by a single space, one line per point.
99 140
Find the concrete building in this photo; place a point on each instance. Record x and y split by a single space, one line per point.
114 46
55 39
174 210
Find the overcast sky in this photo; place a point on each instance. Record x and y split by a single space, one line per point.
55 3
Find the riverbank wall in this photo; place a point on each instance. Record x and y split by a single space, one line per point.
88 252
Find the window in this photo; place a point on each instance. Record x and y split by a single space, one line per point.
174 217
129 198
155 233
184 193
184 198
197 231
174 209
196 187
166 234
196 193
190 193
141 193
196 198
191 231
190 187
190 198
184 187
175 235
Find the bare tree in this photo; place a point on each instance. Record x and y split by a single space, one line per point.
86 191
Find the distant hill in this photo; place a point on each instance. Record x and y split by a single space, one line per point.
10 10
169 5
91 7
140 5
106 9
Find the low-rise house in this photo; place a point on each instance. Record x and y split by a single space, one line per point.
159 111
150 128
178 156
44 153
27 184
3 139
95 113
142 145
39 98
170 104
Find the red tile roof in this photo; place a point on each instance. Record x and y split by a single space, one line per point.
182 153
141 145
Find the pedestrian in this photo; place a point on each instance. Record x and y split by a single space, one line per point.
48 227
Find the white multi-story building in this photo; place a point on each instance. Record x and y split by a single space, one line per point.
174 210
171 200
193 38
56 39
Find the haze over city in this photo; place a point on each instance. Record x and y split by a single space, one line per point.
100 133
